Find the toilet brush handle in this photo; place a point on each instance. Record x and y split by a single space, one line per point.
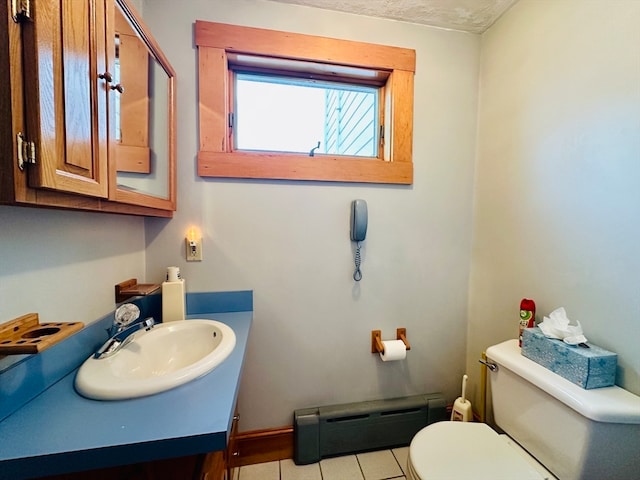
464 388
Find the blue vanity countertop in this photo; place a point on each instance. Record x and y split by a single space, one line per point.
60 431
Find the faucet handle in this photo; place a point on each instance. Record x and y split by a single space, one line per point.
126 314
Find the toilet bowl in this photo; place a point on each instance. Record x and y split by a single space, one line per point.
554 429
469 451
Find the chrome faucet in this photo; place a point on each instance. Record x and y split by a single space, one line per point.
122 337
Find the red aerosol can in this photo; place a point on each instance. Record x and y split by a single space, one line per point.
527 316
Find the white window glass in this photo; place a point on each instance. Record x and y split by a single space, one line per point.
282 114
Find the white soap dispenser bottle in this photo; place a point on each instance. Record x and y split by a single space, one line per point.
173 296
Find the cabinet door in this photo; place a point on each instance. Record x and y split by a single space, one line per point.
66 95
213 467
142 116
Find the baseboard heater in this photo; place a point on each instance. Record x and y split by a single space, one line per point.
321 432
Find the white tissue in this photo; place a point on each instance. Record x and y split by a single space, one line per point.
556 325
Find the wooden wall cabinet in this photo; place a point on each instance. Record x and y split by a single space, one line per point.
65 103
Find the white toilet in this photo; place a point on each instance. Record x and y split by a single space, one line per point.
566 430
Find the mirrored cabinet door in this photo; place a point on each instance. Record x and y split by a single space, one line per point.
141 115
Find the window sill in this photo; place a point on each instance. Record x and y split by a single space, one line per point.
302 167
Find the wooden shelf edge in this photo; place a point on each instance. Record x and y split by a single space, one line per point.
131 288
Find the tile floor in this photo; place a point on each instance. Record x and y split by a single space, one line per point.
380 465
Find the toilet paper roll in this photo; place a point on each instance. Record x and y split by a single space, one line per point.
173 274
393 350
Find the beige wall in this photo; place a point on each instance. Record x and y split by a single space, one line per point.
556 212
557 202
289 241
64 265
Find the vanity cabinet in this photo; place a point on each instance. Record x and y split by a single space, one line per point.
210 466
73 135
216 465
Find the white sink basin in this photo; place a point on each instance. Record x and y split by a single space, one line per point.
168 355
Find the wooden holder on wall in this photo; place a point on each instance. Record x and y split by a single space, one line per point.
376 340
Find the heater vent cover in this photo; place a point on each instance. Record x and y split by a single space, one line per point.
356 427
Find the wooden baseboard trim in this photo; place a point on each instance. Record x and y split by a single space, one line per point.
258 446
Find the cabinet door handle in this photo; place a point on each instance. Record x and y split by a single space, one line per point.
106 76
117 87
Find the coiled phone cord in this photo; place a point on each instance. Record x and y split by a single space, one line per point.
357 275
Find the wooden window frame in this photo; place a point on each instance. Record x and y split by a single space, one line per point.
216 157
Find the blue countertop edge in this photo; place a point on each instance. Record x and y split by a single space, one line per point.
48 429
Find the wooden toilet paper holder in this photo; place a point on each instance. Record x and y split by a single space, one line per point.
376 340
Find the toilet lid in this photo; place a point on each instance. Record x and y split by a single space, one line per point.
459 450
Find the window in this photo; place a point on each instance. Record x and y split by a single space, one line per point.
284 114
354 100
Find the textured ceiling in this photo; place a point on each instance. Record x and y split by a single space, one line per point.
467 15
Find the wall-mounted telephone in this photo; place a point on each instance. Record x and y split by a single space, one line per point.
359 220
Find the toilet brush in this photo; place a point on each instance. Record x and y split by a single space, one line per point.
462 407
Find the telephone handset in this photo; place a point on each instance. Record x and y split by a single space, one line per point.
359 220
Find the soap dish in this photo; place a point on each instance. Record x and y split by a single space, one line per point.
26 334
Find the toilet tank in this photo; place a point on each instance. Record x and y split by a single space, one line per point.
575 433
